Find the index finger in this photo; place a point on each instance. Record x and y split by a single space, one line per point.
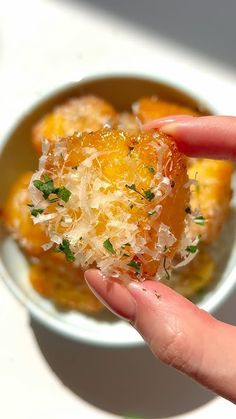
206 136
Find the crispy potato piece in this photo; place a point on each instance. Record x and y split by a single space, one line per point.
126 193
52 276
195 276
149 108
86 113
211 196
63 284
17 217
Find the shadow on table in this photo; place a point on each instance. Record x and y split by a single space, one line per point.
194 25
125 381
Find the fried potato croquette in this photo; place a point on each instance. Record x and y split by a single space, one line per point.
115 200
86 113
149 108
195 276
64 284
17 217
211 195
127 122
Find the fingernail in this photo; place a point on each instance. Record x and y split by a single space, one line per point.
157 123
161 122
115 296
169 129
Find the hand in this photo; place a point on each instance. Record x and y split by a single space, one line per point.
178 332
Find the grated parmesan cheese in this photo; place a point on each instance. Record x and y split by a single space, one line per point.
94 197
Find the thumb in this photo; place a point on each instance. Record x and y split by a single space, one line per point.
177 332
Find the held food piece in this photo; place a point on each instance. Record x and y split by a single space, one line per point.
149 108
211 195
16 215
87 113
63 283
114 200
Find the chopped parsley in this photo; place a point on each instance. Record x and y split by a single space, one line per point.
36 211
150 169
150 213
63 193
109 247
126 255
132 187
191 248
199 220
64 247
47 188
149 195
135 265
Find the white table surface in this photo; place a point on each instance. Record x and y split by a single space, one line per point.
44 44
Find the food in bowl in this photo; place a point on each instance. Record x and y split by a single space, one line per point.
96 126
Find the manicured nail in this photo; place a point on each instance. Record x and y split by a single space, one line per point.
156 124
115 296
169 129
159 123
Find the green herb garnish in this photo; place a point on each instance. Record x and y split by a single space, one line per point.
135 265
47 188
63 193
199 220
132 187
191 248
126 255
109 247
64 247
150 213
150 169
36 211
149 195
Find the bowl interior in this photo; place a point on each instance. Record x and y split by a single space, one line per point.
18 156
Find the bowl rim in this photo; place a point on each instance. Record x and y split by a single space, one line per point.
215 299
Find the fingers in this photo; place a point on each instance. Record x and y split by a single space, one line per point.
178 333
207 136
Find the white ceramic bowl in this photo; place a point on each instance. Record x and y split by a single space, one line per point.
17 156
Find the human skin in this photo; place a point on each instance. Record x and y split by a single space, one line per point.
177 332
